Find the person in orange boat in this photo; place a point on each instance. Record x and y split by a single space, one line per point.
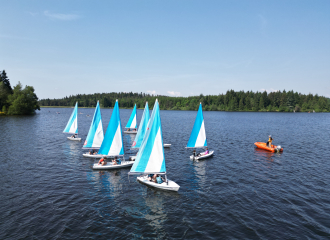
270 140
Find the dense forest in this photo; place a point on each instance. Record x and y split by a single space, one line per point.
17 100
231 101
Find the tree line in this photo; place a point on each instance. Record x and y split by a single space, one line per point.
17 100
280 101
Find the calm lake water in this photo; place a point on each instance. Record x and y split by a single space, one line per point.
49 191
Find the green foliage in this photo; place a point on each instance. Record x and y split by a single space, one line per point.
4 93
231 101
23 101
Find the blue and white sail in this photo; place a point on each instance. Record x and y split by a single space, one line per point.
198 136
151 158
72 125
132 120
95 135
142 128
112 144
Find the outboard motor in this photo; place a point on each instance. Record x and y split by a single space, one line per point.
278 148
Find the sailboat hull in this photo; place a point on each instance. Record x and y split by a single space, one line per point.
109 166
167 145
170 185
131 132
74 139
92 156
203 156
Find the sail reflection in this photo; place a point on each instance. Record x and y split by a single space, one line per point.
200 171
109 180
156 215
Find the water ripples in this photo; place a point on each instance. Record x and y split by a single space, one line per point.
48 190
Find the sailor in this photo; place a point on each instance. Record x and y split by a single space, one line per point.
269 143
116 161
194 153
102 161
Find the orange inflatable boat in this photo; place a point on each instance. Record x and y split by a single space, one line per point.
272 149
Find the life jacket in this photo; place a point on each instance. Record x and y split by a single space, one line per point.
159 180
118 161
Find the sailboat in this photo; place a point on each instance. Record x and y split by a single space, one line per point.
142 130
95 135
131 124
72 125
112 145
151 158
198 136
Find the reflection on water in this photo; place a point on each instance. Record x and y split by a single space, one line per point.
156 216
200 171
107 180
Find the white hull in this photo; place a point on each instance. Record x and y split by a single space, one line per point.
167 145
170 185
110 165
92 156
131 132
203 156
74 139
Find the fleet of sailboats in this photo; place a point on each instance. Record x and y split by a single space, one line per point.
112 144
149 162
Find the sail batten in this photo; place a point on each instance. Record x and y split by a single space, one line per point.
132 120
72 125
95 135
151 158
198 135
142 127
112 144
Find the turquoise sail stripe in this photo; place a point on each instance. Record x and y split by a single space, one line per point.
142 128
111 131
97 119
132 118
144 153
196 128
72 119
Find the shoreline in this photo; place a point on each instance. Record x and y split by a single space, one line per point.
185 109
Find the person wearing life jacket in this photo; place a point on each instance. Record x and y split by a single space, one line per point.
204 153
116 161
270 140
159 179
103 161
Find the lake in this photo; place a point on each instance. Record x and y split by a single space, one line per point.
49 191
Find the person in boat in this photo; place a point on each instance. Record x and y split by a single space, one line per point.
116 161
103 161
270 140
73 136
135 129
194 153
159 179
150 176
91 152
204 153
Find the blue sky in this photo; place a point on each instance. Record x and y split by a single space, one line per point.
172 47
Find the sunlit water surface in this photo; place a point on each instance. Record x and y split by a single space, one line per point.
49 191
